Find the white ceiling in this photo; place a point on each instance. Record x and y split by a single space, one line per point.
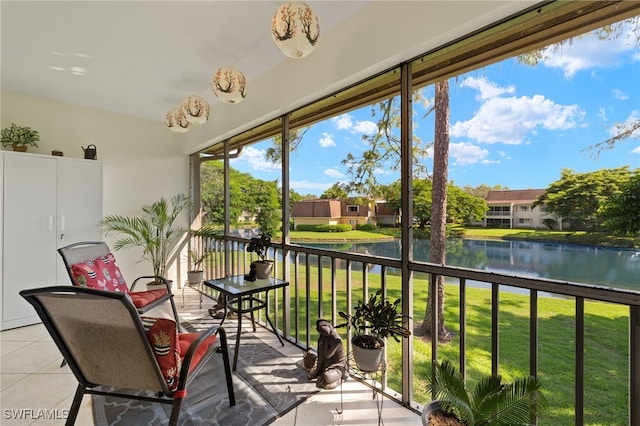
139 58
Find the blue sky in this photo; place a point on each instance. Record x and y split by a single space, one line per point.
512 125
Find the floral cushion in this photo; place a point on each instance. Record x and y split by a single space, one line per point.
163 337
170 347
100 273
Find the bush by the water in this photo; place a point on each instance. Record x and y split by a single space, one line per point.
366 227
325 228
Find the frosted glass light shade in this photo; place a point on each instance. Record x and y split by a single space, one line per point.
229 85
176 121
195 109
295 29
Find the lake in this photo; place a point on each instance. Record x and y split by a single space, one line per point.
603 266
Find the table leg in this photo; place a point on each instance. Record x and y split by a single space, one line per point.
239 315
269 319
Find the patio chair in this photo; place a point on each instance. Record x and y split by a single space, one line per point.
106 343
91 264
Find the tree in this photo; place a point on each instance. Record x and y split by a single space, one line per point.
578 197
383 149
337 192
438 240
621 212
482 190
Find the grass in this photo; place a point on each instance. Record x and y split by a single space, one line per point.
606 342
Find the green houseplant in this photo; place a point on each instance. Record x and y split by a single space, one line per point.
260 246
489 403
201 243
19 137
370 324
154 231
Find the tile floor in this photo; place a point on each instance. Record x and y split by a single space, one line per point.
35 390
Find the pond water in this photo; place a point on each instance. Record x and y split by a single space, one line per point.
610 267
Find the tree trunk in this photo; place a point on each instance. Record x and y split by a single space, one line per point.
439 203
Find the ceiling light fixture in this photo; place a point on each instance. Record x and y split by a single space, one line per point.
176 121
295 29
229 85
195 109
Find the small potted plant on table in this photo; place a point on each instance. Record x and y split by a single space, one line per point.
19 137
260 246
371 323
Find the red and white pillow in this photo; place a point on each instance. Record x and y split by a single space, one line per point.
101 273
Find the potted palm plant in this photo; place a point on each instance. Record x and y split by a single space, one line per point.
370 324
260 246
19 137
154 231
489 403
195 272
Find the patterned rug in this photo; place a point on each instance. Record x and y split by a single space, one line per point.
267 385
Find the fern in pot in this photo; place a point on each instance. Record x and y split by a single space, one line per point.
154 231
19 137
489 403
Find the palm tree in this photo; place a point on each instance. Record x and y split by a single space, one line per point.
490 402
154 231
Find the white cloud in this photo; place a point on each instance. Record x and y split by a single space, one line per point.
589 52
365 127
465 153
486 89
627 125
619 94
345 122
256 159
302 186
333 173
326 140
509 120
636 150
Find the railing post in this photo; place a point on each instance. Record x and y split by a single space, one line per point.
634 365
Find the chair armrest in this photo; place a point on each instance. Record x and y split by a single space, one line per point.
152 277
186 361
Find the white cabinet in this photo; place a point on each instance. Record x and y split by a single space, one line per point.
47 203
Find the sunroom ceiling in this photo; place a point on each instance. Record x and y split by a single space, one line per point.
140 58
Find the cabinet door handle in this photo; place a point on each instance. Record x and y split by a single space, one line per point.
50 223
62 223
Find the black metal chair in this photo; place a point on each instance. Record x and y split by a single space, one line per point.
105 342
79 260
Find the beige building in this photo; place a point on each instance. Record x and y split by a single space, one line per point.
514 209
336 212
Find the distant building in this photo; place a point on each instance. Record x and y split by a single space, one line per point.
335 212
514 209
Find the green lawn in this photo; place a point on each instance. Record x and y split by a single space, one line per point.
606 343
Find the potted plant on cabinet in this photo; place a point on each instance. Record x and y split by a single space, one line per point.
370 324
489 403
154 231
260 246
19 137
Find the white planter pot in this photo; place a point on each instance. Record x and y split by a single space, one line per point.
195 277
367 360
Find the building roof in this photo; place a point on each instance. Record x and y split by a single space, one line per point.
519 196
316 208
